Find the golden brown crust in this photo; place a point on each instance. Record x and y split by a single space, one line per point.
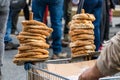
23 38
22 55
30 40
80 43
83 52
79 22
81 26
38 28
82 37
40 56
42 32
43 51
81 31
33 22
40 44
20 61
26 47
84 16
86 47
31 34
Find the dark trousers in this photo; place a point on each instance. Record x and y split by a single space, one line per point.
67 14
95 7
104 28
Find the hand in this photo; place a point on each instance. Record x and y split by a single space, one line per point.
87 75
91 74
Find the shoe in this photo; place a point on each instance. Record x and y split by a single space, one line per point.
58 56
10 45
62 55
117 25
65 41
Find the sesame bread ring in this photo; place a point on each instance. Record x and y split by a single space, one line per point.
91 46
86 47
43 32
82 37
31 34
44 51
40 44
79 22
20 37
26 47
39 56
21 55
83 52
21 61
84 16
79 43
81 26
33 22
29 40
81 31
37 27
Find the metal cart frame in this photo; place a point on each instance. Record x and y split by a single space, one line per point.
39 72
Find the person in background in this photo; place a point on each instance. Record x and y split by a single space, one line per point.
108 62
56 14
4 11
94 7
67 17
15 8
105 21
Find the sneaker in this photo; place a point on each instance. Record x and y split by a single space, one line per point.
66 40
60 55
117 25
10 45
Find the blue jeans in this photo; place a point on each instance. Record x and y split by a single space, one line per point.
56 13
8 28
95 7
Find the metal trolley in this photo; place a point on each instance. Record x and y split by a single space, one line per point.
39 72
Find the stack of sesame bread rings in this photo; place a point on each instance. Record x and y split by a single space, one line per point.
33 46
82 34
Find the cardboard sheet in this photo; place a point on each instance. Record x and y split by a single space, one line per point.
70 69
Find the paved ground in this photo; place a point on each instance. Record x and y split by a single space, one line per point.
12 72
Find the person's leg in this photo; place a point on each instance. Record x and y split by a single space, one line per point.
38 8
7 39
8 28
95 7
56 13
26 12
4 11
67 15
97 12
15 15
